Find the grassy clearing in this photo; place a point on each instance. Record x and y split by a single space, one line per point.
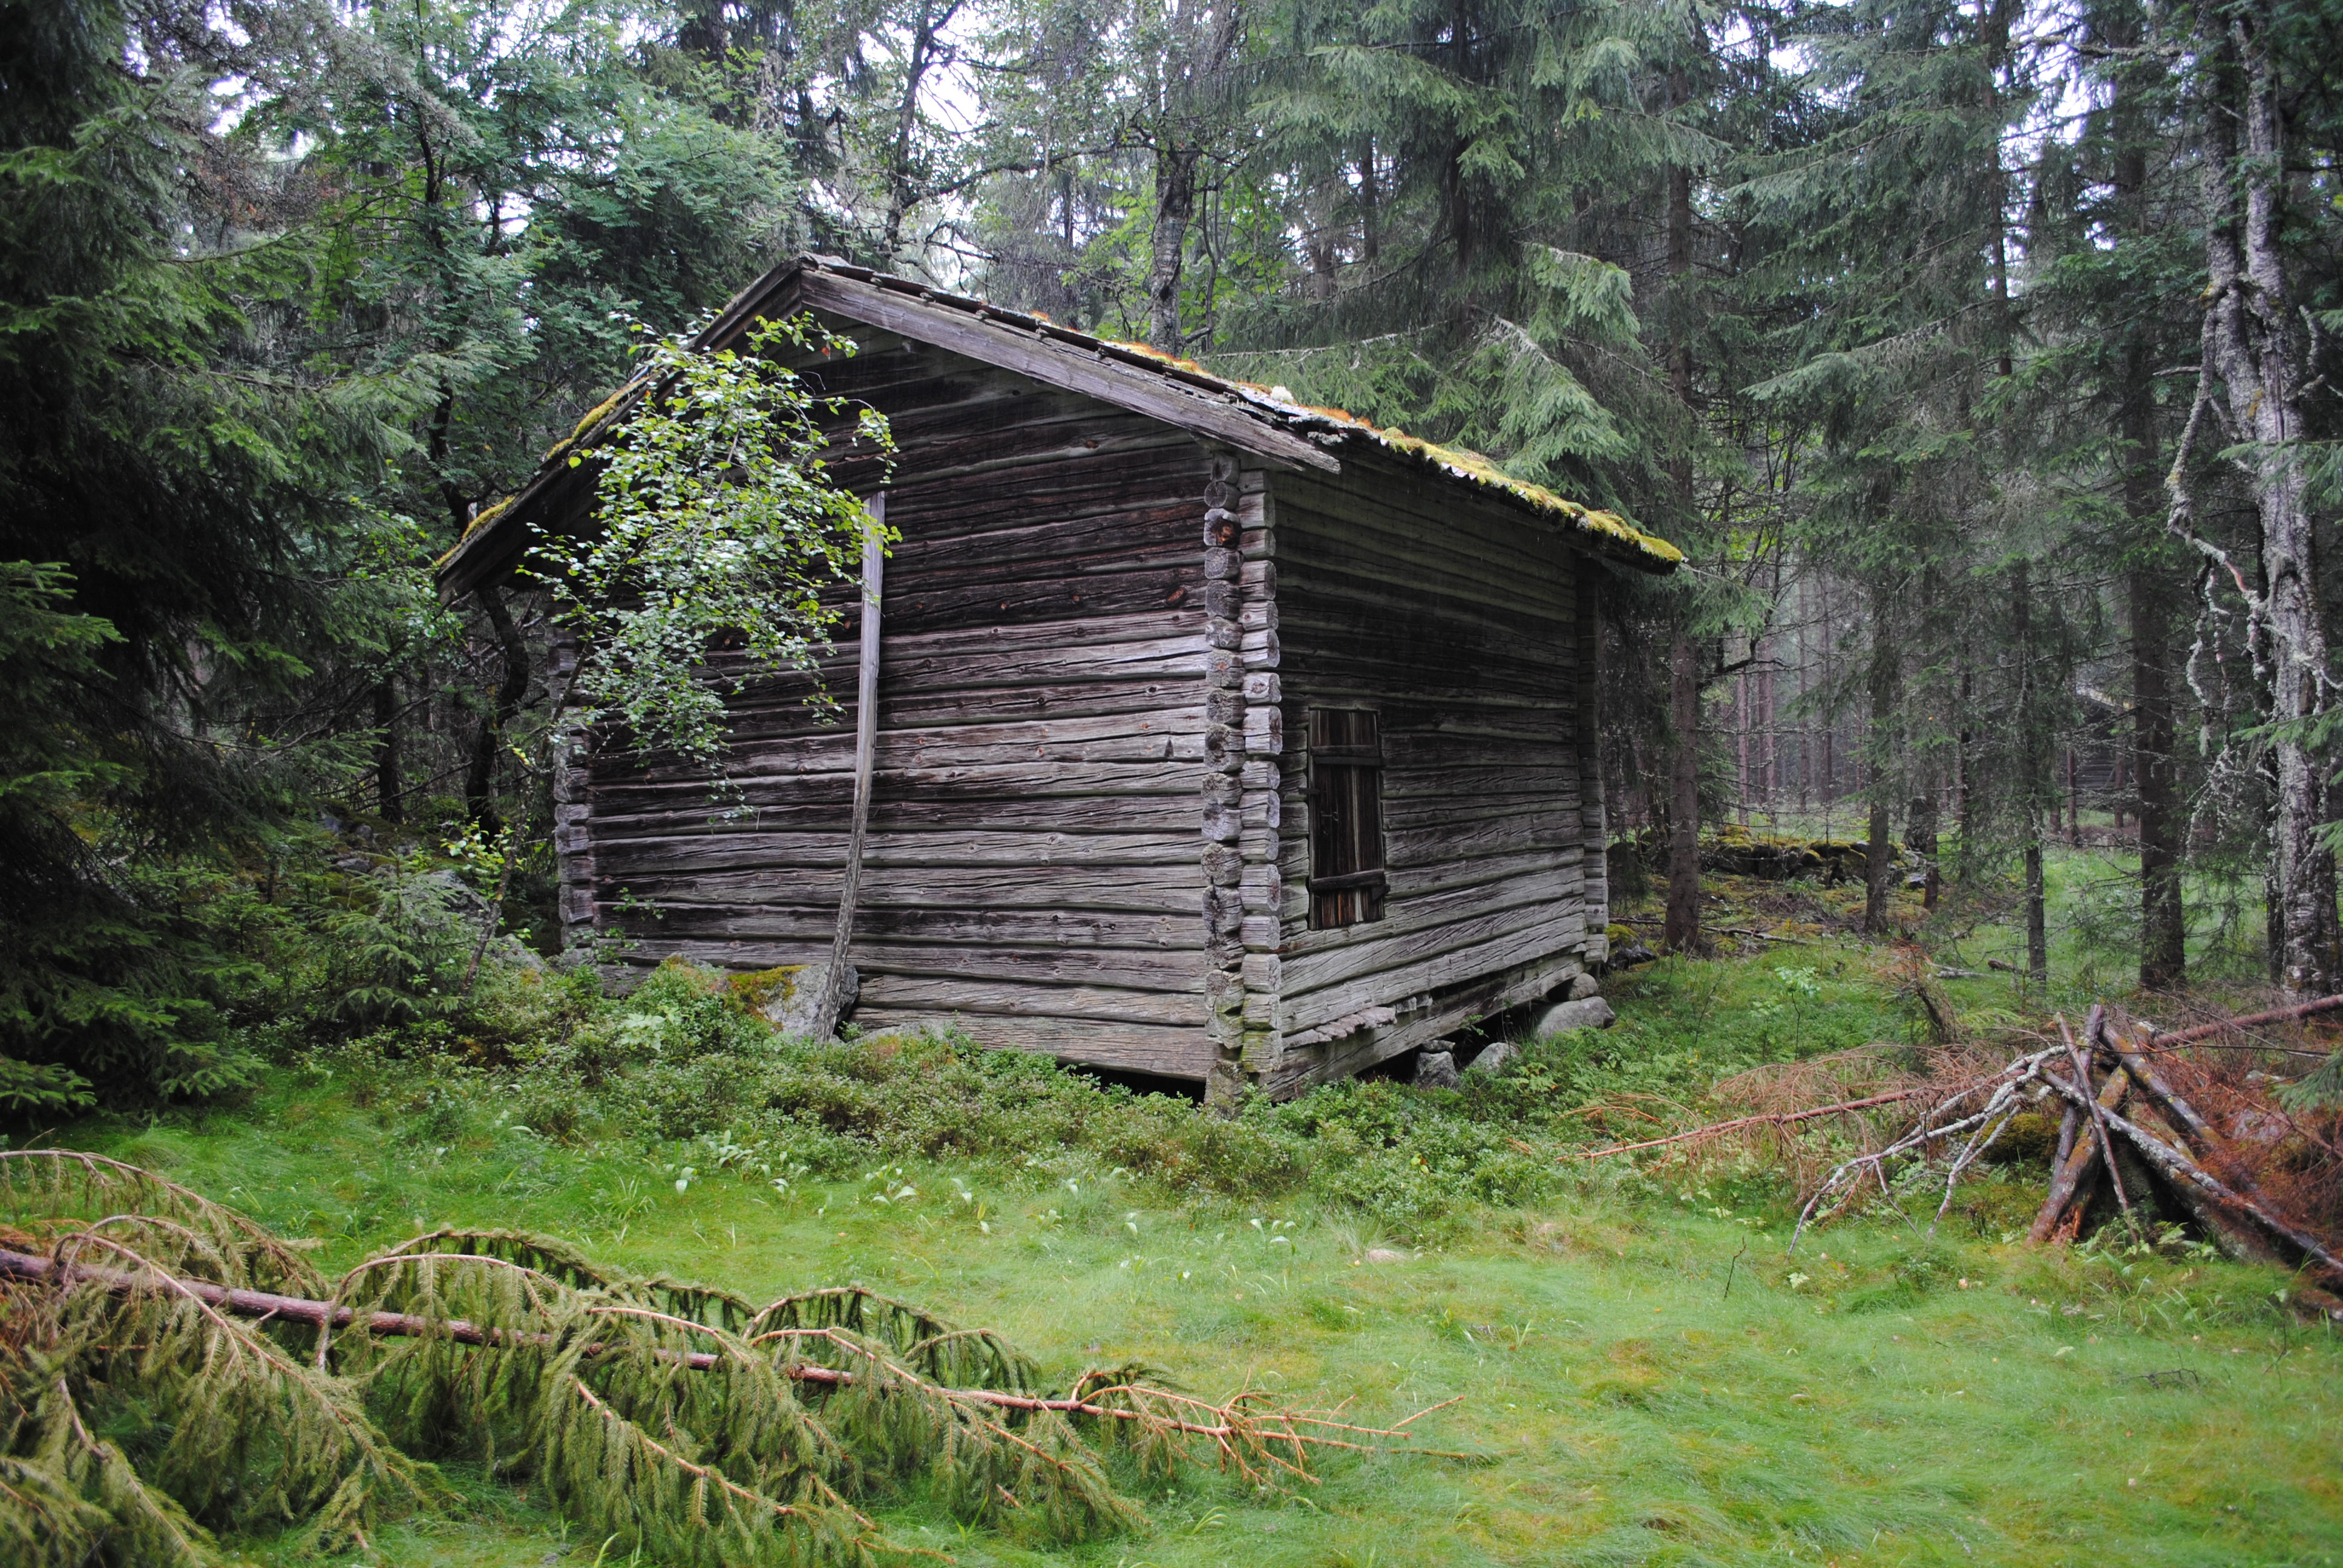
1883 1397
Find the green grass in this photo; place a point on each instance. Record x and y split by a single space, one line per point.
1865 1407
1640 1375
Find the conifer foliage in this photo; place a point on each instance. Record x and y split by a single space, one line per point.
169 1369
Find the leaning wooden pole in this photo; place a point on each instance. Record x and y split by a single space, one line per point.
866 750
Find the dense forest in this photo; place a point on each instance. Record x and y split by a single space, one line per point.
1980 355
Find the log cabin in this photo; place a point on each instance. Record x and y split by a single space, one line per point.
1218 738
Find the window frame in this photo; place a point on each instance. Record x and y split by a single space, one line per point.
1346 785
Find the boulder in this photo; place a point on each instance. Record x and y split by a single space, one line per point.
1584 986
1592 1012
1436 1070
1385 1255
1495 1056
1634 953
796 992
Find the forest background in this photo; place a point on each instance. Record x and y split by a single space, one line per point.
1981 356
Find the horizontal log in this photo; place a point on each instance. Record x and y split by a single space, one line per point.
1548 938
1407 507
982 961
820 803
1380 658
1430 811
1048 435
1407 915
1416 876
881 927
1356 1051
1173 888
1011 999
1373 950
1326 557
1168 1052
1133 777
1430 845
1143 527
618 859
1165 734
1036 600
1468 545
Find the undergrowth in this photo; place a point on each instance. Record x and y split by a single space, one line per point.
684 1066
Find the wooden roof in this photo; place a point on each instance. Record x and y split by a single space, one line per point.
1239 414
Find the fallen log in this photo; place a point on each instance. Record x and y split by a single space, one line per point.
2251 1021
2182 1168
2195 1135
2160 1094
1779 1118
2238 1240
2082 1160
2094 1027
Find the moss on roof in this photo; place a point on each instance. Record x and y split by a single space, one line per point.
1458 462
1605 527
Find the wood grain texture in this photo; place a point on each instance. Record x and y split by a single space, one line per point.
1458 624
1031 865
1123 386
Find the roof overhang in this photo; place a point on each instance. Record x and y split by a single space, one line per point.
1235 414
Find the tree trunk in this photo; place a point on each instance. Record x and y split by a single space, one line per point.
388 784
2163 948
2163 952
1964 778
480 780
1920 836
1879 851
1175 207
2253 342
2032 784
2073 805
1681 932
903 189
866 746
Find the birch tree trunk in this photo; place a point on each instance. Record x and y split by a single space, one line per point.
2254 345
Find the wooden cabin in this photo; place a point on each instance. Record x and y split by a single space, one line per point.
1219 738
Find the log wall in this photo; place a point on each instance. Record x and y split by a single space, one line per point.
1034 873
1458 622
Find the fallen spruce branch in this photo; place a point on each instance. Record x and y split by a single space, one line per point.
266 1306
683 1422
1778 1118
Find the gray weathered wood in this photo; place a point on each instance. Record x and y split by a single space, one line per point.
866 748
1059 365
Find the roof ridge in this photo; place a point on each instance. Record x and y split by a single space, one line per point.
1326 427
1457 462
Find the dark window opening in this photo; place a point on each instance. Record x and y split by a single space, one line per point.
1346 818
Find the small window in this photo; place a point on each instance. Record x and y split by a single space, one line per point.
1346 818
